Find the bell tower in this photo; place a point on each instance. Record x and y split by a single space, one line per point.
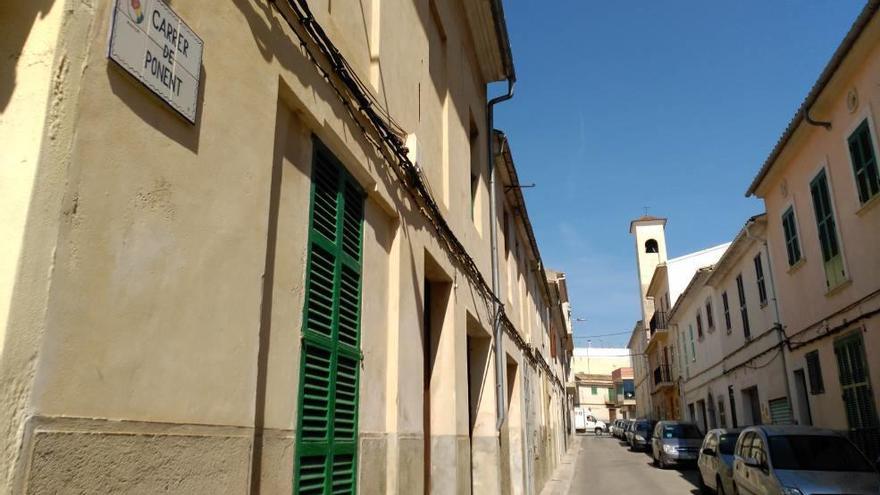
650 238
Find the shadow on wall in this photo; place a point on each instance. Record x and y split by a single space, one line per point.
18 19
144 103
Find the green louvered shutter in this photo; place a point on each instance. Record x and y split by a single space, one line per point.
326 447
858 400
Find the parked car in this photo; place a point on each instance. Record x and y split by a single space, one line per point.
716 461
616 427
793 460
628 430
675 442
621 428
641 434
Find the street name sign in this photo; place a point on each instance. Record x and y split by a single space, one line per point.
150 42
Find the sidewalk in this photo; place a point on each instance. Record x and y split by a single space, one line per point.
560 482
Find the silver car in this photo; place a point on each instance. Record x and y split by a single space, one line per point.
800 460
628 431
675 442
716 461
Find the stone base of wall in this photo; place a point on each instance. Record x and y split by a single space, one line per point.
83 456
399 460
68 455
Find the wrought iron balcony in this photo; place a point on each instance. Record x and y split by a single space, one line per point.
662 377
658 322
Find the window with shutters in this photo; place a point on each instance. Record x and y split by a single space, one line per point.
864 162
825 223
683 366
814 371
743 310
852 367
326 446
693 348
726 304
699 325
792 243
759 276
710 319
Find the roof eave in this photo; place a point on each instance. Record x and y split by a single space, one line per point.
491 41
819 86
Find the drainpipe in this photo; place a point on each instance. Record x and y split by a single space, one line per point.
493 241
782 339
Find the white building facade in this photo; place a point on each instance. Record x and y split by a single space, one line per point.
728 336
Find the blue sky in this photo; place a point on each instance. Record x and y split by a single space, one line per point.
672 105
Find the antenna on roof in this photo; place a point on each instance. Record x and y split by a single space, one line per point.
646 209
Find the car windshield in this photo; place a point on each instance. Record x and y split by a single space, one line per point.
727 443
816 453
681 431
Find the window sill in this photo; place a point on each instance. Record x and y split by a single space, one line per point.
796 266
868 205
843 284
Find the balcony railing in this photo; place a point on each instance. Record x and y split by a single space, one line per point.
658 322
662 376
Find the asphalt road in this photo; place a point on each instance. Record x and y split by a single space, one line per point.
606 466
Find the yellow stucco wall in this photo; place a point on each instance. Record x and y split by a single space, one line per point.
169 325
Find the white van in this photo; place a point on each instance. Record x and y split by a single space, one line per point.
585 421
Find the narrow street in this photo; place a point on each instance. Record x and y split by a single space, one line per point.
606 466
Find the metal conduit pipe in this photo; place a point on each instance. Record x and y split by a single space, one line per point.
497 331
782 338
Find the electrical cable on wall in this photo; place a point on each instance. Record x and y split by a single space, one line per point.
387 138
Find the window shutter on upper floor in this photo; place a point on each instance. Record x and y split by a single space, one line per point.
864 162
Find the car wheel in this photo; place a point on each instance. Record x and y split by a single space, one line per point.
719 486
662 462
654 460
598 431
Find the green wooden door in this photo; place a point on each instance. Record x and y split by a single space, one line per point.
326 444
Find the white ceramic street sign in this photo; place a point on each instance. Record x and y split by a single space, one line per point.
154 45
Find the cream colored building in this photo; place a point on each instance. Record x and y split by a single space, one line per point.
821 190
729 346
595 395
661 281
599 360
638 340
293 291
591 369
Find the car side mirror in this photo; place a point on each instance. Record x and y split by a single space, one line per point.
708 451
